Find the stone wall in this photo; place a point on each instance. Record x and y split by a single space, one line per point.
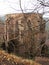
28 30
1 31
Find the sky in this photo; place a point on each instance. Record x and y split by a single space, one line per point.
12 6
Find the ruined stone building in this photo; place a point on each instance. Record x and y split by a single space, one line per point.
28 30
12 21
1 31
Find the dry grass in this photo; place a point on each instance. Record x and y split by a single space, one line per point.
9 59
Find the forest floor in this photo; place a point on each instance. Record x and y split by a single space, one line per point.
9 59
42 60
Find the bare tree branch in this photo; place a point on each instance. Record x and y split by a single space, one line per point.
21 6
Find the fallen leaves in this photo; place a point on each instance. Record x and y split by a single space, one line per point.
9 59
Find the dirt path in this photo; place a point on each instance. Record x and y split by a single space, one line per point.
42 60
